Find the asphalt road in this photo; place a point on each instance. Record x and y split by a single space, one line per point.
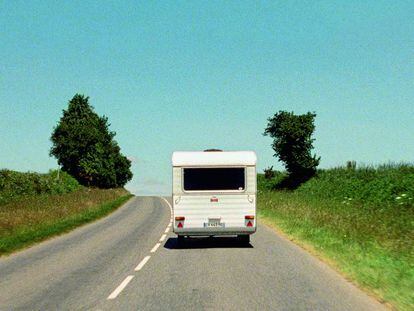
105 266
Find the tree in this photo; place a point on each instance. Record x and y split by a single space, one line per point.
293 143
85 147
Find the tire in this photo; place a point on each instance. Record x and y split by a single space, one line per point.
244 238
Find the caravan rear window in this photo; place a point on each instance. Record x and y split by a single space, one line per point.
204 179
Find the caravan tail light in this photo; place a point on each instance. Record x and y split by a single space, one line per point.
249 219
180 220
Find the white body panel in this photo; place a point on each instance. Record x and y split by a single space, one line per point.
230 207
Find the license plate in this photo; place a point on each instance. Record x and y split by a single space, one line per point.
214 223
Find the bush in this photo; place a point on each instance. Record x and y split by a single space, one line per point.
272 183
269 173
14 185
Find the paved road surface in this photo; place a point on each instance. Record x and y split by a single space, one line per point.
82 269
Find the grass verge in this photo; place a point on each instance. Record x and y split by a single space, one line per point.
371 244
37 218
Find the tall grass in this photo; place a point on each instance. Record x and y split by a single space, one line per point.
360 219
15 185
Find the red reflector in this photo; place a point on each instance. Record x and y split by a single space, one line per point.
179 218
180 225
249 217
214 200
249 224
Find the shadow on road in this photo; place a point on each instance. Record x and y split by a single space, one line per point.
206 242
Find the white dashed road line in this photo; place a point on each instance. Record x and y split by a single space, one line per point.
128 279
163 237
142 263
154 249
119 289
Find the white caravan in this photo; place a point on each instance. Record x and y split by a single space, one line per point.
214 193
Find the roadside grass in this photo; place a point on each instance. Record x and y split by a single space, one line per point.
36 218
360 221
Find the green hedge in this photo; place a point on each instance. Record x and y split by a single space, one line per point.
381 186
15 185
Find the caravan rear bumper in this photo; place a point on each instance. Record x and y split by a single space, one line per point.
214 231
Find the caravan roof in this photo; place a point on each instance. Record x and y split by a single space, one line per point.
219 158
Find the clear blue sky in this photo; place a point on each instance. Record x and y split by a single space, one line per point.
190 75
